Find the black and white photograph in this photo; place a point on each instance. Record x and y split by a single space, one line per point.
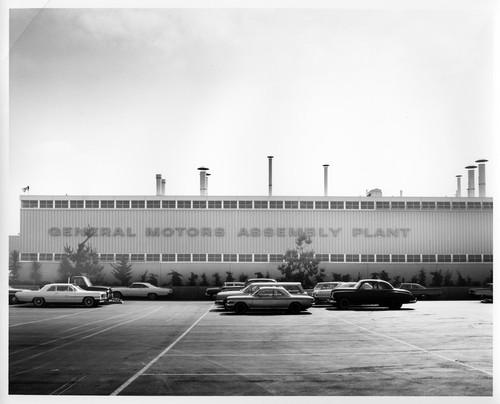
248 200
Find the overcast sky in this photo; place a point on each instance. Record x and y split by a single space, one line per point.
102 100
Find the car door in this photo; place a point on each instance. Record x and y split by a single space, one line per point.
263 299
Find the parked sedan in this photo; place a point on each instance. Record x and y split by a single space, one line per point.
322 291
12 294
485 292
141 289
421 292
371 291
61 293
269 298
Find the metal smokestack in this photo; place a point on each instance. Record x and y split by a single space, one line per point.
206 182
482 177
326 178
471 188
203 180
158 184
163 187
270 175
459 186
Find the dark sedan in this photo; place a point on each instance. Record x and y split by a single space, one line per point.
371 292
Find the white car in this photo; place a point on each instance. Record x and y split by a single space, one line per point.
61 293
141 289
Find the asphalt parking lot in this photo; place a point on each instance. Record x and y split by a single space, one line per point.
175 348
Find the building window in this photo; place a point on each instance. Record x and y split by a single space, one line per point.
199 257
29 204
153 257
413 205
428 205
46 257
291 204
183 204
137 257
168 257
488 258
261 258
321 205
367 205
352 205
413 258
139 204
444 258
459 258
245 257
260 204
383 205
398 205
398 258
91 204
444 205
29 257
276 204
487 205
475 258
322 257
199 204
214 204
367 258
153 204
428 258
337 257
458 205
230 204
275 257
352 258
123 204
47 204
383 258
230 257
336 204
107 204
245 204
306 205
214 257
183 257
76 204
168 204
121 257
107 257
61 204
474 205
58 256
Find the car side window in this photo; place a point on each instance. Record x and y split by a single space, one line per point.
51 289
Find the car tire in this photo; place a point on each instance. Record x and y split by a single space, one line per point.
240 308
344 303
39 301
117 295
395 304
13 299
88 301
152 296
295 308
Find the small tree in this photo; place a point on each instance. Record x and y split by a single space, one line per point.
36 274
143 276
153 279
217 281
175 278
192 279
422 277
447 278
14 265
243 277
204 280
229 276
437 278
122 271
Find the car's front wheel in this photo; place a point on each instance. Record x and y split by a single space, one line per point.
117 295
344 303
240 308
39 301
152 296
13 299
295 308
88 301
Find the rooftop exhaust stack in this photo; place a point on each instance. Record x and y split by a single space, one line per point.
326 178
163 187
471 189
206 182
158 184
482 177
270 175
459 186
203 180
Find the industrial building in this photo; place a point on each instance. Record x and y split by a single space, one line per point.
205 234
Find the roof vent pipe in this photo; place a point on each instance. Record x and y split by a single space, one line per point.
325 179
203 180
270 175
158 184
163 187
482 177
471 188
459 186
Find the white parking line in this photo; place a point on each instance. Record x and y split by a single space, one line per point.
152 362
